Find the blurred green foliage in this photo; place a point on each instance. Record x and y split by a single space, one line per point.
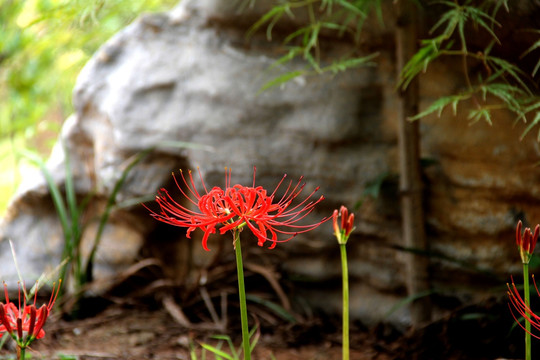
43 46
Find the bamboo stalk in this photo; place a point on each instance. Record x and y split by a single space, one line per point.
410 172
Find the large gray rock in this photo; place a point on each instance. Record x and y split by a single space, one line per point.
185 76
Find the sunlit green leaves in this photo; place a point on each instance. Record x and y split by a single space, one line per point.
43 46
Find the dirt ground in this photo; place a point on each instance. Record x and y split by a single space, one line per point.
121 332
152 331
129 324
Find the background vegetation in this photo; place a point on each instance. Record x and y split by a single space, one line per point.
43 46
45 43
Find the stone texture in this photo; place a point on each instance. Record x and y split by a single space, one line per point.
190 76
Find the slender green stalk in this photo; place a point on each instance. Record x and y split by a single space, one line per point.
111 201
21 353
242 295
527 297
345 278
74 218
62 212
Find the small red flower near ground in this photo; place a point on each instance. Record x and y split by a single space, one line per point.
25 322
347 224
236 207
522 308
526 242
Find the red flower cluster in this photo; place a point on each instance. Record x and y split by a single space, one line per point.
25 324
236 207
526 242
347 224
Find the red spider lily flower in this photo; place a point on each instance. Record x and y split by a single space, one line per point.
347 224
526 242
25 324
236 207
522 308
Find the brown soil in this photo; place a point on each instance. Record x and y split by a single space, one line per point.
149 324
120 332
149 330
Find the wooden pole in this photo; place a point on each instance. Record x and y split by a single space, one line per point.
414 237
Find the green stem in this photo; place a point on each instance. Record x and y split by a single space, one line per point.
21 353
242 295
528 303
345 278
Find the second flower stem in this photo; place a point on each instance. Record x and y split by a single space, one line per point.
527 296
242 296
345 278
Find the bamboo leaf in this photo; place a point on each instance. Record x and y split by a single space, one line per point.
451 17
461 30
533 47
419 62
476 115
534 122
293 52
271 25
281 79
439 105
354 9
275 13
534 106
311 60
478 17
516 73
332 26
342 65
509 94
314 37
300 32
